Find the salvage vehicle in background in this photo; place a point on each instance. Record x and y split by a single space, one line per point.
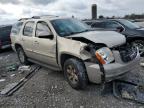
133 32
68 44
5 41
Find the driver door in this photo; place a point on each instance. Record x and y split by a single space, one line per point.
44 47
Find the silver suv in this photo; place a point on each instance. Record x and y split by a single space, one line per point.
68 44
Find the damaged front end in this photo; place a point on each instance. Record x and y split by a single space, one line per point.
106 58
107 64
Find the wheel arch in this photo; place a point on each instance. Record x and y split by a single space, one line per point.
17 45
65 56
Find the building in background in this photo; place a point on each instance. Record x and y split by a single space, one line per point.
94 11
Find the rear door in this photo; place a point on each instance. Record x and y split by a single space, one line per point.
27 38
44 48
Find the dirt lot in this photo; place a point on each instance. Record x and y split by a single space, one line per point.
48 89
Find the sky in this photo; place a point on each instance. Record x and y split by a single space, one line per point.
12 10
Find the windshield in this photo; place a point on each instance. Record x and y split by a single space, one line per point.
66 27
129 24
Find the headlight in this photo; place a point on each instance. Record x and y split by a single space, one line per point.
104 55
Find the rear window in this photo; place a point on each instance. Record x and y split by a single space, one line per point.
16 28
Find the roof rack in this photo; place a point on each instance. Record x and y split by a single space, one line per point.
44 16
23 19
38 17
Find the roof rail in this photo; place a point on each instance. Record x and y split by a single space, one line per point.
44 16
23 19
38 17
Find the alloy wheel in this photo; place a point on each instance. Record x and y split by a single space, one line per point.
72 75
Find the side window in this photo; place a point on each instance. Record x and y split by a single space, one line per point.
42 28
16 28
97 25
111 25
89 23
28 29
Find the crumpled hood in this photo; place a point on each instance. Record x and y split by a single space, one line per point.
109 38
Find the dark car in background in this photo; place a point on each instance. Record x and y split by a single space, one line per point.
5 41
133 32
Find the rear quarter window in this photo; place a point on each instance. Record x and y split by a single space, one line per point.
16 28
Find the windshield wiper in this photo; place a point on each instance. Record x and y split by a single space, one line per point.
83 31
72 33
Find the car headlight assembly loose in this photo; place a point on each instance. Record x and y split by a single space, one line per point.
104 55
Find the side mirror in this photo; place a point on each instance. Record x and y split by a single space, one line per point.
45 34
120 29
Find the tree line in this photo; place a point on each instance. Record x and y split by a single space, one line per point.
134 16
130 16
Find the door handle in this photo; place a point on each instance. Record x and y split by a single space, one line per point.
22 39
36 42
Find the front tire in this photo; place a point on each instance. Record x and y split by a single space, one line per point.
140 45
21 56
75 73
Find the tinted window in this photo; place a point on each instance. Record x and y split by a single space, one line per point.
42 27
28 29
89 23
129 24
98 25
16 28
5 31
111 24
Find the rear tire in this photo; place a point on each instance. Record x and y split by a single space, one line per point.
21 56
75 73
140 45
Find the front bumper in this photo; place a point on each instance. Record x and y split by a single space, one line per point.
5 46
112 71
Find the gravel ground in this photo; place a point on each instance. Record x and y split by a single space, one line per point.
48 89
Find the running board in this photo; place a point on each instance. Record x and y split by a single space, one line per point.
45 65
